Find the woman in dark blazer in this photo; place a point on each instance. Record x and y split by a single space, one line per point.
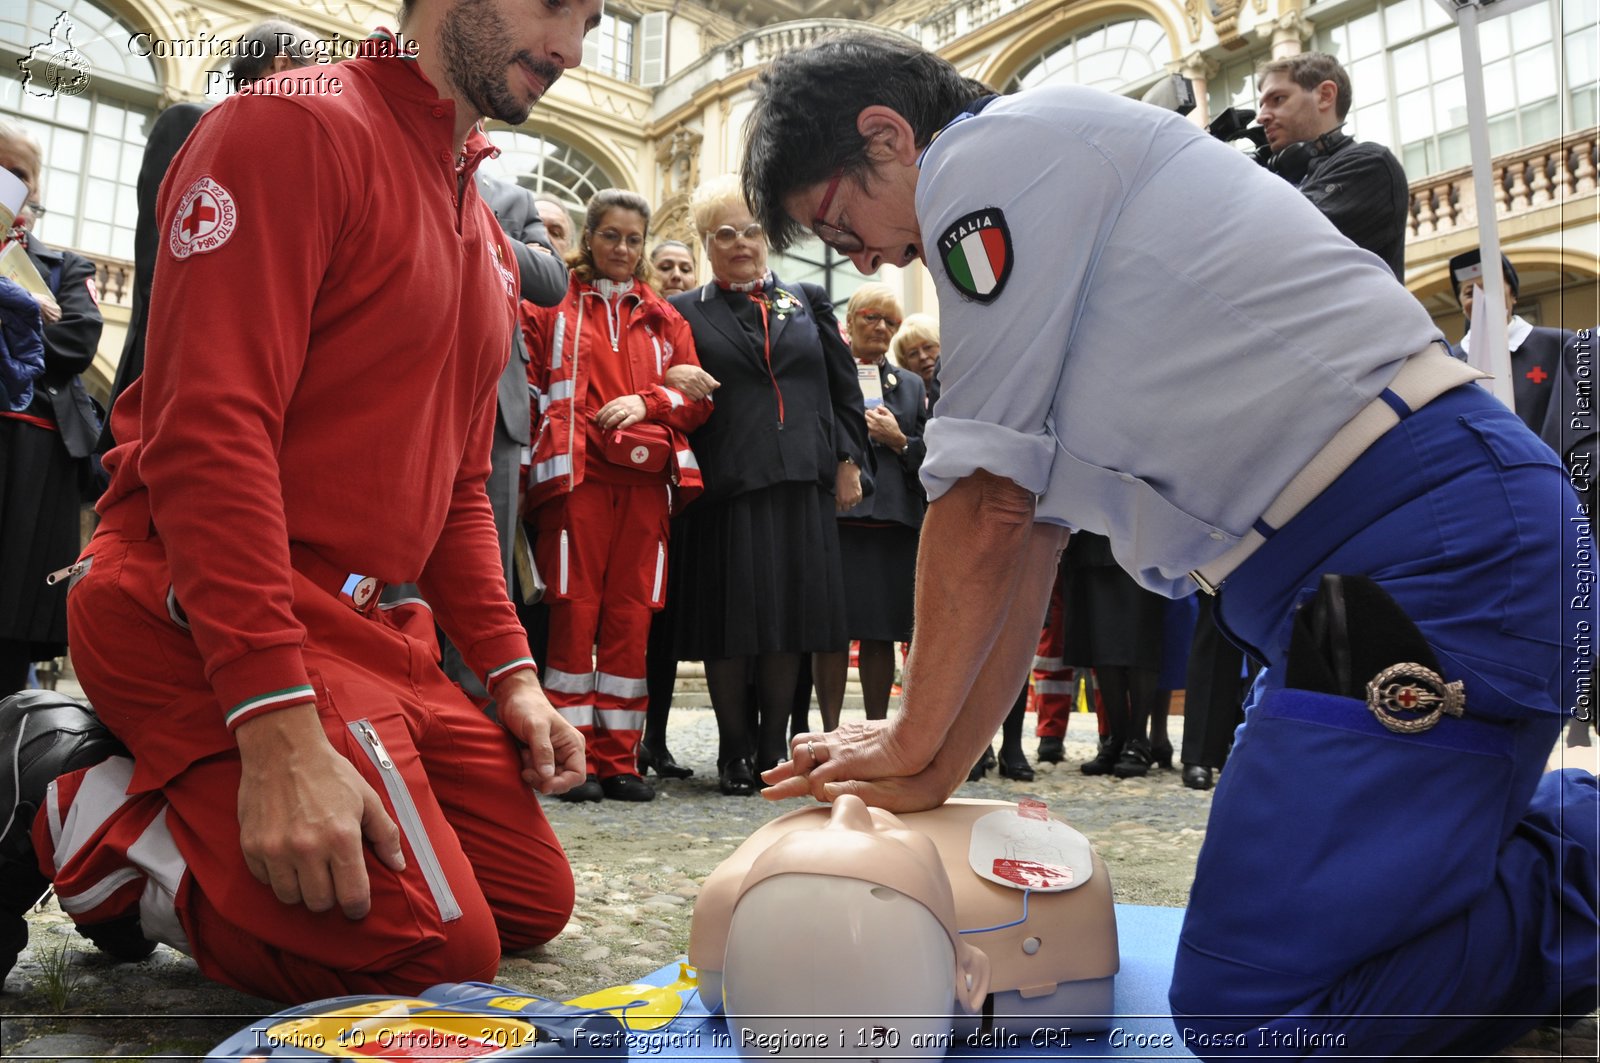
878 537
46 472
757 581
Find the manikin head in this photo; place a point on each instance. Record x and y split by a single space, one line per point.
851 926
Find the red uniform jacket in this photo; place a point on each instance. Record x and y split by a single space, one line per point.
563 343
325 337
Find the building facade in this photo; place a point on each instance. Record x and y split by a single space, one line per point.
663 94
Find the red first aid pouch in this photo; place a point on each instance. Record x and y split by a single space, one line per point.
645 447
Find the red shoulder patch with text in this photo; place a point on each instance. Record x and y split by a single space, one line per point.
205 218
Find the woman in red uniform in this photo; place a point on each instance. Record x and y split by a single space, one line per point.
610 463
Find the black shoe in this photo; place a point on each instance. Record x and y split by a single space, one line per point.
980 769
121 939
627 788
660 759
1161 754
1052 750
736 778
1014 765
43 735
1197 776
588 790
1135 760
1103 761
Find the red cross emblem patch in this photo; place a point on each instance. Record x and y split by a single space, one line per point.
205 218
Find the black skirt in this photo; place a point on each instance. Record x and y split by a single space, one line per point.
40 502
880 571
1110 620
757 573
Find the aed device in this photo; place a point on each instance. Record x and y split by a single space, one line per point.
448 1023
848 932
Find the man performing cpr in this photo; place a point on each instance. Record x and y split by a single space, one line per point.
1387 871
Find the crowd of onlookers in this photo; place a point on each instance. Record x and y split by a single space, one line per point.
727 472
721 469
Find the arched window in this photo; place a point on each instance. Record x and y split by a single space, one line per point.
92 136
1118 57
547 166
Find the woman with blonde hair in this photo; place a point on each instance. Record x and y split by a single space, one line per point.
878 536
758 582
916 347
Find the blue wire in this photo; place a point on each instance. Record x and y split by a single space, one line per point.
1003 926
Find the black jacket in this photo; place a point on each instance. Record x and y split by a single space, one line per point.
171 130
747 444
70 343
897 488
69 346
1361 188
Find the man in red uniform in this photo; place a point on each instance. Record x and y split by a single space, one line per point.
311 808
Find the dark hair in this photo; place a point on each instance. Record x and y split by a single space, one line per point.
262 44
581 258
1308 70
803 128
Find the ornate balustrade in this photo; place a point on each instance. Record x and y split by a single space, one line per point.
766 44
1531 178
954 21
113 279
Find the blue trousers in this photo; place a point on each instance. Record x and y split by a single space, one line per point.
1362 892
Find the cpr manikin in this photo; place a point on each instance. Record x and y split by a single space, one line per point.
837 932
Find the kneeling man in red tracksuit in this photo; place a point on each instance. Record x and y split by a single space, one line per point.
310 807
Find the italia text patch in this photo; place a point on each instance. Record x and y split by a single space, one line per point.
977 256
205 218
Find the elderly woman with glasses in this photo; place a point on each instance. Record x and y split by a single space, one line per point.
916 347
610 462
757 580
878 537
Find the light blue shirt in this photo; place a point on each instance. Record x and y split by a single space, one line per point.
1180 332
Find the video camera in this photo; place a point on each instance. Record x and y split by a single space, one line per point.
1176 93
1238 123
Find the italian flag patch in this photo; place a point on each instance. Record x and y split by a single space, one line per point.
976 252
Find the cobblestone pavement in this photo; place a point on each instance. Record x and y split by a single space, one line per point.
638 868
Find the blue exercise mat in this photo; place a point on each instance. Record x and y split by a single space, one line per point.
1148 939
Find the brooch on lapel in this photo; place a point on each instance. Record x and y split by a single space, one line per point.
784 303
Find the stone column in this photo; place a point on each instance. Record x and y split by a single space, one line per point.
1199 70
1290 31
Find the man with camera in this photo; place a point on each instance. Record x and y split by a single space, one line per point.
1360 187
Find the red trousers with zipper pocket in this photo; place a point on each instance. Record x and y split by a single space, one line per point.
602 549
159 835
